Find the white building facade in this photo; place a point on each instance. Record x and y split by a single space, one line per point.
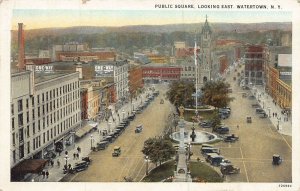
45 110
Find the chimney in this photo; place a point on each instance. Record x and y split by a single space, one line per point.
21 47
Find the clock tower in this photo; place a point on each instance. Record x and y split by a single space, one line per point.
205 54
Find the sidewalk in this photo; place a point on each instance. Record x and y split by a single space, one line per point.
281 122
86 142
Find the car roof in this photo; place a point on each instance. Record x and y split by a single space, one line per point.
117 147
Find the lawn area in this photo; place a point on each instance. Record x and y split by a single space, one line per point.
204 172
198 170
204 114
160 173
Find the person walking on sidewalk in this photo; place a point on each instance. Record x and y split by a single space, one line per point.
43 173
74 155
47 174
77 155
58 163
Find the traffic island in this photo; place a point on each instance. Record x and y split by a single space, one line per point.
200 172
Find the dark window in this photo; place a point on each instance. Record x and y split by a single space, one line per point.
13 139
21 151
20 119
21 136
13 123
27 103
33 128
28 147
27 131
12 109
32 101
20 105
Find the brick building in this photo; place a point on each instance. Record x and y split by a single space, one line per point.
159 73
135 79
254 65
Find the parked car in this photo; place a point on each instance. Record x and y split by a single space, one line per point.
225 162
209 155
222 130
102 145
231 138
207 150
263 115
131 117
80 166
229 169
259 110
224 115
87 159
215 160
205 124
207 146
224 110
255 105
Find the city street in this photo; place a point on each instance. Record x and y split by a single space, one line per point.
258 142
130 163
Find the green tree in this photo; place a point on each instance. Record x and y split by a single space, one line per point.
180 93
215 119
215 93
158 150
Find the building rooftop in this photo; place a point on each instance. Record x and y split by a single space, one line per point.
43 77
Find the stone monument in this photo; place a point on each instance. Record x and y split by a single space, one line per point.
181 173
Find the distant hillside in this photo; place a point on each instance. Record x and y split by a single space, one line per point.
217 27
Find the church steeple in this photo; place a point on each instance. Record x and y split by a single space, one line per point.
206 28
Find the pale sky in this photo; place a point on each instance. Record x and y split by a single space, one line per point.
64 18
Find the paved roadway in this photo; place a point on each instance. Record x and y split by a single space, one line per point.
130 163
259 140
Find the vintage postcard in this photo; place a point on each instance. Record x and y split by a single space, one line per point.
183 95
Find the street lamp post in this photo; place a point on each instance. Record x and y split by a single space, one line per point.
91 142
123 111
66 158
147 160
189 150
109 125
269 112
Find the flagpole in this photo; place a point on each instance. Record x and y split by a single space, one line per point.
196 84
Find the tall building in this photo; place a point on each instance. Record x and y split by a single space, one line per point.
45 111
254 62
204 56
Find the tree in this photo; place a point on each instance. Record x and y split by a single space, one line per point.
216 121
158 150
180 93
215 93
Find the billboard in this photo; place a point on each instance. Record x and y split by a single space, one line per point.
104 70
285 60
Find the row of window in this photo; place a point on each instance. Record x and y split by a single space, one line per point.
65 89
60 113
46 136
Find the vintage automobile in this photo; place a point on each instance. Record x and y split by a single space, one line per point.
231 138
102 145
249 120
205 124
138 129
117 151
87 159
227 169
222 130
80 166
277 160
207 150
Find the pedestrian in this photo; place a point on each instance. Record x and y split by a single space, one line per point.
52 163
273 114
47 174
43 173
77 155
58 163
78 149
237 126
69 166
74 155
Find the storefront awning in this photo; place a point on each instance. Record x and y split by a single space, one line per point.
34 166
81 132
